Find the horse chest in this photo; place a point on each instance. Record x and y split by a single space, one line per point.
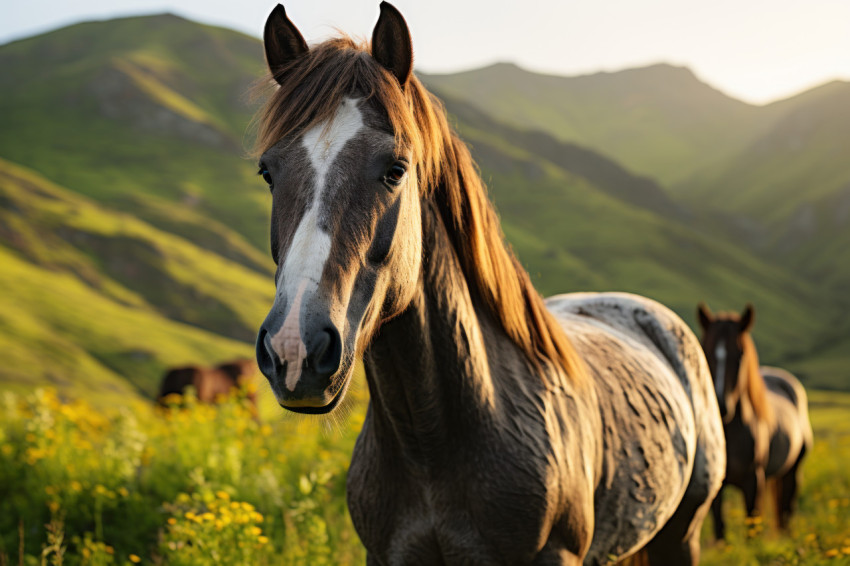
475 511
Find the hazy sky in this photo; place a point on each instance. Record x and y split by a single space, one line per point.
756 50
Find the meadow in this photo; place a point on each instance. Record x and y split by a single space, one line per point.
201 485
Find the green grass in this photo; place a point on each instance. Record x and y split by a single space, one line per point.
820 531
160 486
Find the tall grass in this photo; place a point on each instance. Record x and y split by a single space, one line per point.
201 485
197 485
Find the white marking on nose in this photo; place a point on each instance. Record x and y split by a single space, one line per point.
288 340
720 367
311 245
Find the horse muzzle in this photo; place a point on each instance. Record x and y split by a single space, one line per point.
302 363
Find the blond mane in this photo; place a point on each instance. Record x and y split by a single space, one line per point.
756 387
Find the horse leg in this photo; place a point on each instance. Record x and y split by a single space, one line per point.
753 488
787 500
668 549
717 516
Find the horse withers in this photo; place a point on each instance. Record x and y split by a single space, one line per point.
501 429
765 416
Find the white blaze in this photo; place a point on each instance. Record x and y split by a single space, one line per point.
719 367
306 257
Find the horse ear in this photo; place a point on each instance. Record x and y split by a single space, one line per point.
704 315
283 42
391 44
748 317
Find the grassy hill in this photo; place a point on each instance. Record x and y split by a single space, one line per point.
659 121
143 203
146 115
773 182
93 299
571 236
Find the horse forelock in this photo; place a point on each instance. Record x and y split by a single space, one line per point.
311 89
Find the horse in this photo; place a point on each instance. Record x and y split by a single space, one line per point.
211 384
765 416
501 429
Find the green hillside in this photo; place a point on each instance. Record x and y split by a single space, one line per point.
144 208
793 181
660 121
147 115
573 236
62 322
772 182
91 298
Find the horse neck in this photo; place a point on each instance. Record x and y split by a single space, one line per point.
428 369
752 388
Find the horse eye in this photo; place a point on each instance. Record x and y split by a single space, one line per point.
395 174
267 177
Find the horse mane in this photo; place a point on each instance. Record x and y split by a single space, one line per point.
756 387
310 90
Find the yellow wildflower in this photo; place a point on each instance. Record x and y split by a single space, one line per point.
172 521
256 531
208 517
223 495
831 553
263 539
109 549
76 486
134 559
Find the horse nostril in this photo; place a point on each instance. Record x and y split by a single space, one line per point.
267 359
327 353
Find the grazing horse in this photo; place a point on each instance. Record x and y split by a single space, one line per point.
500 429
211 383
765 416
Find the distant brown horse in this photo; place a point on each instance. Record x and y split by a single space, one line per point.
765 416
211 383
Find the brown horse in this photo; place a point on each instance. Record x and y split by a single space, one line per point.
765 415
501 429
211 383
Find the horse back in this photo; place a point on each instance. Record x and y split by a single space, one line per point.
662 434
793 430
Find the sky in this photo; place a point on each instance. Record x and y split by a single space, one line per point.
754 50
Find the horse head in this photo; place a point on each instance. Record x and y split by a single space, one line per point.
342 158
726 342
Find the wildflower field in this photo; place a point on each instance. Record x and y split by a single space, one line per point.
205 485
